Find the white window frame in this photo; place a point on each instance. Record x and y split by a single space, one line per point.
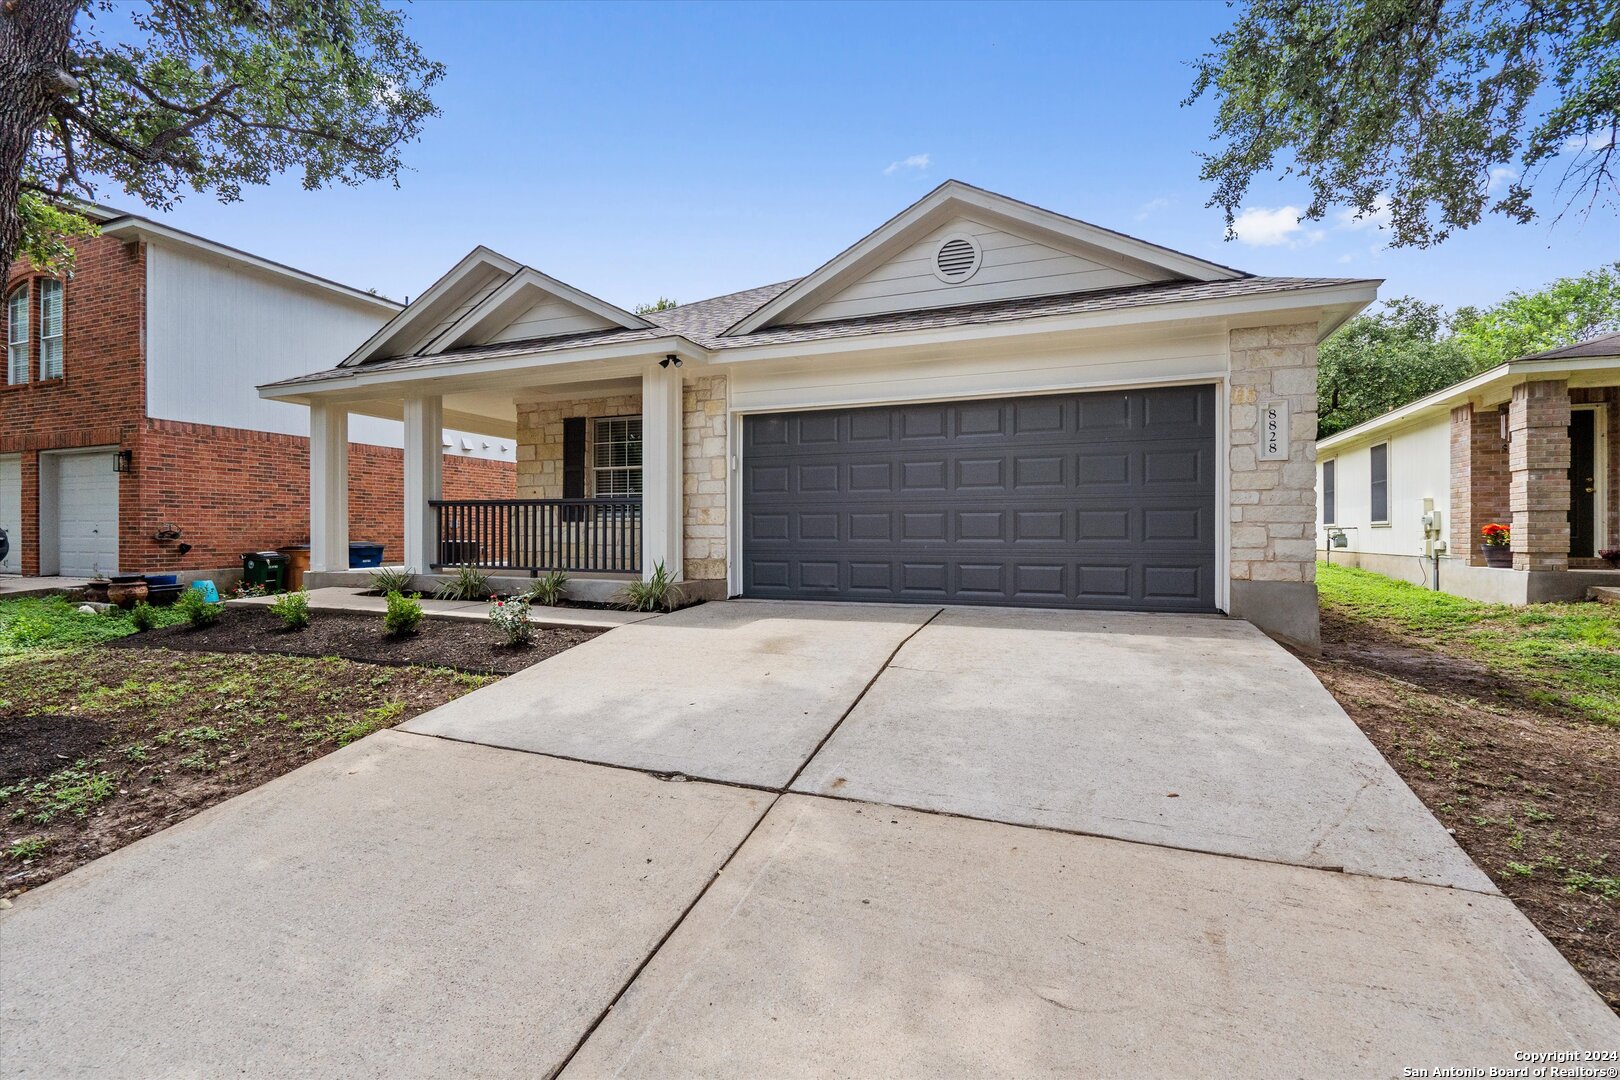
616 457
17 335
51 360
1330 491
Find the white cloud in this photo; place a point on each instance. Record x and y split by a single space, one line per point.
1259 227
920 162
1501 177
1347 258
1151 207
1378 219
1579 144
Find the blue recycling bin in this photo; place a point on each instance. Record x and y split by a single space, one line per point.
363 553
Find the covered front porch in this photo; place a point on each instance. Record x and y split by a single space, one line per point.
604 453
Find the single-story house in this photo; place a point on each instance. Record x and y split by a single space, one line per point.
130 436
1533 444
980 402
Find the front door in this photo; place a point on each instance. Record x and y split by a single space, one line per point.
1583 484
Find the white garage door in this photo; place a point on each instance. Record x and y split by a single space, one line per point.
86 514
11 512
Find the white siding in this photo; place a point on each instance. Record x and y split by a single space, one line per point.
1419 468
549 317
1012 266
11 511
215 331
983 372
473 290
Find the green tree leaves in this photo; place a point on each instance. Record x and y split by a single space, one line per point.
1421 106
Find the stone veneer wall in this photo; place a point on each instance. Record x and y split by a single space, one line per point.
703 468
1538 484
540 439
1479 480
703 479
1273 523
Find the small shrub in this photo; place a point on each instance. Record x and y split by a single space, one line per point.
658 593
467 583
511 618
550 590
292 609
144 616
404 615
393 579
198 612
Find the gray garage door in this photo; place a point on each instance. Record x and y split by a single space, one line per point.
1102 500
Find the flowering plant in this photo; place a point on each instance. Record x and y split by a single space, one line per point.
1497 535
511 618
1610 556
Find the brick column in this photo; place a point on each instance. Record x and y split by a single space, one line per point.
1479 479
1538 463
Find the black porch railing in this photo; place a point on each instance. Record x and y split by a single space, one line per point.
534 535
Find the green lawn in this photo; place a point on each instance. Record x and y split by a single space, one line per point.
1565 655
53 622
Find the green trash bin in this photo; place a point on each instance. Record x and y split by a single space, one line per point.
266 568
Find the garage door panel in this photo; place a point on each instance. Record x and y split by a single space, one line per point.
1079 500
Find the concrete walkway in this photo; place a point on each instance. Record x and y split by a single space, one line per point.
343 599
419 905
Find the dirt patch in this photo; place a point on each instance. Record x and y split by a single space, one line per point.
462 645
1530 792
128 741
38 745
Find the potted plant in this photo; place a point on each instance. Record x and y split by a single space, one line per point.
127 590
1610 556
95 590
1498 545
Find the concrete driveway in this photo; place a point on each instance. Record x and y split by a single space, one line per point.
762 840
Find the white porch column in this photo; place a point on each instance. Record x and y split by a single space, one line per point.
424 478
661 524
328 487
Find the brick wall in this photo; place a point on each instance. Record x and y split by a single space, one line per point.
1538 485
703 479
1479 479
231 491
1273 534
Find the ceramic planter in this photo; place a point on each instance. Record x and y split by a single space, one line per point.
127 592
1496 555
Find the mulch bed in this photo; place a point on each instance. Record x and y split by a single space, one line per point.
462 645
39 745
1530 792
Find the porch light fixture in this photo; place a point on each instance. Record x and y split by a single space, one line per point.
668 360
123 461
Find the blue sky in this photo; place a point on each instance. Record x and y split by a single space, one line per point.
639 150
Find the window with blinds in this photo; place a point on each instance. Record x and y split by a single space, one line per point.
17 335
616 456
50 329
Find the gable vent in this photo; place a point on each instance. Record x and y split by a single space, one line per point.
957 258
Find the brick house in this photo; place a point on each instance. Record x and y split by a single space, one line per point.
1533 444
981 402
130 437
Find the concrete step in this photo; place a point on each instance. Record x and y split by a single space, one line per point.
1606 594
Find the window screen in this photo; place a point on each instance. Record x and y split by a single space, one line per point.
1380 482
1329 503
616 456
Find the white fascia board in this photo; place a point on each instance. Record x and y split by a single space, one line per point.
1457 394
418 310
528 278
953 197
1230 308
634 353
134 228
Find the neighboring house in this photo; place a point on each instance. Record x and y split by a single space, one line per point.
981 402
1533 444
130 436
